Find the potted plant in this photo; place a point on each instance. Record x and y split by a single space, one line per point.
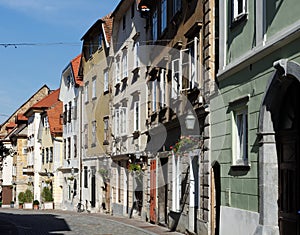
21 198
12 203
36 204
28 198
47 198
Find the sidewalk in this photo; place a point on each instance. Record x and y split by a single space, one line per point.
138 223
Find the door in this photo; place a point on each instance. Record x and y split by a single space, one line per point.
289 193
153 191
162 190
93 191
215 198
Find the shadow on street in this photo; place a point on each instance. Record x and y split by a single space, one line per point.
19 224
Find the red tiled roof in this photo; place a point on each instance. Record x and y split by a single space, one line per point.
75 66
54 118
48 101
10 125
107 25
21 117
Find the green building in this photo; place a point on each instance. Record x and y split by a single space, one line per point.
255 119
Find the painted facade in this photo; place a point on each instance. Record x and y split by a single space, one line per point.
128 111
95 114
258 79
70 164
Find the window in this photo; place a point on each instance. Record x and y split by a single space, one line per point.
240 137
136 115
176 78
65 117
176 6
154 85
70 111
65 149
46 122
100 39
120 121
124 22
86 93
106 125
117 71
85 177
69 147
239 9
94 88
74 111
47 155
86 135
90 49
163 15
94 129
125 64
123 120
51 154
136 55
43 156
188 65
154 26
106 82
75 146
162 88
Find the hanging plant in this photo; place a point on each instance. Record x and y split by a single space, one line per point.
104 173
134 167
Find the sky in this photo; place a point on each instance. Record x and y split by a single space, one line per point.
55 29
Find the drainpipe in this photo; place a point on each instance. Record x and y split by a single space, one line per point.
80 146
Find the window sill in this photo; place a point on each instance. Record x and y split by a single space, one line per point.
105 92
241 167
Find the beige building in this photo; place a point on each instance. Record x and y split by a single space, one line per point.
95 116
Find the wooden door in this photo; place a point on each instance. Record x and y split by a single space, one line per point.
289 190
153 191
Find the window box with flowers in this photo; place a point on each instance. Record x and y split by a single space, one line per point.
186 143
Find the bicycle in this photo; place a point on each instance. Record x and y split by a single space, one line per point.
80 207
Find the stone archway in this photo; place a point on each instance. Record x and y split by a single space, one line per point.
268 158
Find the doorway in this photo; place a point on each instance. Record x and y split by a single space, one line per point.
288 152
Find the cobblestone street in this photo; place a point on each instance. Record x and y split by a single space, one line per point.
27 222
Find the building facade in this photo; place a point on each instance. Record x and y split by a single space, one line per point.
95 117
71 164
255 120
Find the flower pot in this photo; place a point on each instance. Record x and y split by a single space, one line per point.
35 207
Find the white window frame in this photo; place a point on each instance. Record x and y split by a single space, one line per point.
116 122
136 54
123 121
106 81
164 15
153 92
176 77
240 136
155 26
239 9
86 93
94 81
125 63
162 88
136 113
117 70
